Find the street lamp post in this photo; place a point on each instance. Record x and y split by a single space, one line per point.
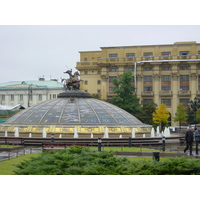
194 105
99 144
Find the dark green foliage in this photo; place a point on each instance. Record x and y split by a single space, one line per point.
76 160
125 98
79 160
148 108
171 166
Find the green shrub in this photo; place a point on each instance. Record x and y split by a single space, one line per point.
79 160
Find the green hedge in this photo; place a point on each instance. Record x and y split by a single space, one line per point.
79 160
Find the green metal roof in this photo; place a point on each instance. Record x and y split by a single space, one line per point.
35 84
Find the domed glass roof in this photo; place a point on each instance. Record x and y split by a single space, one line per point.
74 111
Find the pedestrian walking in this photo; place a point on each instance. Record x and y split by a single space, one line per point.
197 138
189 139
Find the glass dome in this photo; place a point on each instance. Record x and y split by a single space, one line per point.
74 111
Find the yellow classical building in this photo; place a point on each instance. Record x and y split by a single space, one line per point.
167 73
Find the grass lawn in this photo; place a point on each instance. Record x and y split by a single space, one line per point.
129 149
8 166
8 146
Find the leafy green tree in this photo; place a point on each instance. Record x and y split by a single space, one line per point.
161 115
125 98
198 115
148 108
181 114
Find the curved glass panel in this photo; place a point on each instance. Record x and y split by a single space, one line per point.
77 111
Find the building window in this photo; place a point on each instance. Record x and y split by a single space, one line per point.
165 53
165 82
85 59
98 91
99 82
184 78
166 68
184 101
167 102
147 88
113 69
130 55
12 98
166 78
54 96
184 82
198 52
130 69
99 72
111 89
148 84
85 72
147 78
111 78
40 97
184 53
115 55
21 97
184 67
85 82
144 101
30 97
148 54
147 68
3 97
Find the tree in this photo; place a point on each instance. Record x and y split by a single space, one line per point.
125 98
161 115
198 115
148 108
180 115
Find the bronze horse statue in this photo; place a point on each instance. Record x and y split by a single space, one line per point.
73 82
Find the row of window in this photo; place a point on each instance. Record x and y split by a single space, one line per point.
150 54
149 78
98 82
30 97
148 68
168 102
86 72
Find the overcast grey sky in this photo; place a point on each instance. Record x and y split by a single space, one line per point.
28 52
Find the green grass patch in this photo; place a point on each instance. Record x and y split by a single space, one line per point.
8 146
8 166
129 149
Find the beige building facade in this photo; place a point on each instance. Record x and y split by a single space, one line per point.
167 73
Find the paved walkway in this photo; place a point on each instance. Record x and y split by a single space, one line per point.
4 155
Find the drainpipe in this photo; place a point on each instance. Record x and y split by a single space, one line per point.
135 76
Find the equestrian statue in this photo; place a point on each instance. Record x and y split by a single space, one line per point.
73 82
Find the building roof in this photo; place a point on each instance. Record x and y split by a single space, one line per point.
32 83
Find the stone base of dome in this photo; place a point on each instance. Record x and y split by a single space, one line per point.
74 93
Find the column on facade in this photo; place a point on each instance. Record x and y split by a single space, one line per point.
138 81
156 88
175 97
104 82
16 99
193 81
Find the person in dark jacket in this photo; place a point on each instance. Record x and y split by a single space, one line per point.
197 138
189 139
